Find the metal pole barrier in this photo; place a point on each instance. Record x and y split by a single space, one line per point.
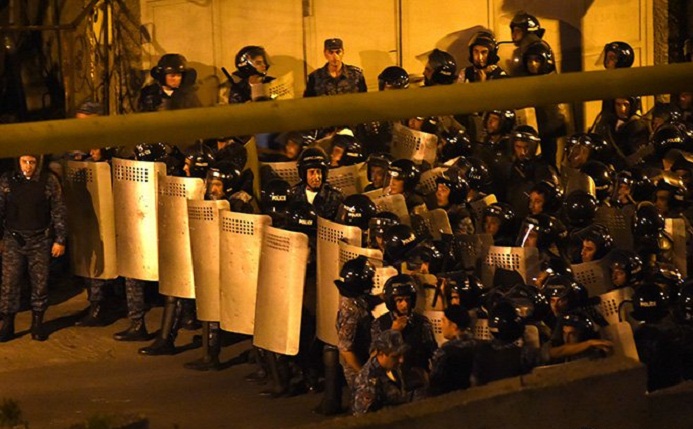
303 114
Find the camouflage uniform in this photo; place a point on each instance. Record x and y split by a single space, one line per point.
418 335
374 389
320 82
33 216
451 365
353 329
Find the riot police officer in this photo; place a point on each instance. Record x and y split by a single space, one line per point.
173 86
483 54
252 64
313 188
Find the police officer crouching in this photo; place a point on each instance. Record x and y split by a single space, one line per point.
32 214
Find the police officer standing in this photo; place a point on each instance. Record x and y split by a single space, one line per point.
32 214
335 77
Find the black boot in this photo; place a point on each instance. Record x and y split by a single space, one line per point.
7 330
38 331
94 316
332 397
136 332
280 373
164 344
212 346
189 320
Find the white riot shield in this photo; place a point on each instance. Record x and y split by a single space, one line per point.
283 261
286 170
282 88
531 337
594 275
478 206
427 182
621 334
677 230
618 225
240 245
472 249
434 222
348 252
573 179
481 330
135 192
616 305
204 220
524 260
345 178
176 276
436 318
90 217
391 203
526 116
363 176
328 238
415 145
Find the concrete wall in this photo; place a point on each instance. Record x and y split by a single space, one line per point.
604 394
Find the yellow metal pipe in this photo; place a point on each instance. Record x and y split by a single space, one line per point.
302 114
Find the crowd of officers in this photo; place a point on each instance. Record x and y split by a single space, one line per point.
638 164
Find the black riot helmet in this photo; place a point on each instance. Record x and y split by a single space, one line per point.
453 178
234 152
355 277
301 217
586 328
529 302
641 185
244 61
466 286
650 303
647 222
627 261
486 39
528 23
312 157
507 120
684 303
151 152
400 285
541 50
406 170
356 210
352 149
393 77
667 137
674 185
563 287
444 68
274 196
633 104
625 56
547 229
198 158
173 63
505 213
599 148
504 323
601 175
378 159
526 133
580 208
426 252
600 236
476 171
453 144
553 195
377 227
398 240
228 174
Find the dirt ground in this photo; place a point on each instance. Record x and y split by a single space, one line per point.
80 373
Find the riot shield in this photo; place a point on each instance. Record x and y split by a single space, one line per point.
524 260
362 178
90 217
618 225
240 245
481 330
526 116
615 305
204 219
433 223
176 276
282 273
594 276
477 207
282 88
415 145
621 334
427 182
345 178
328 238
472 249
436 318
573 179
135 191
286 170
382 274
391 203
677 230
348 252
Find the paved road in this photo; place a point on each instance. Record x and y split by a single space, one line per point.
81 372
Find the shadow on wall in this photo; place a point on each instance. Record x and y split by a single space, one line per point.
207 84
376 61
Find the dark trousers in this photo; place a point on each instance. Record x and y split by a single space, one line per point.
34 255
